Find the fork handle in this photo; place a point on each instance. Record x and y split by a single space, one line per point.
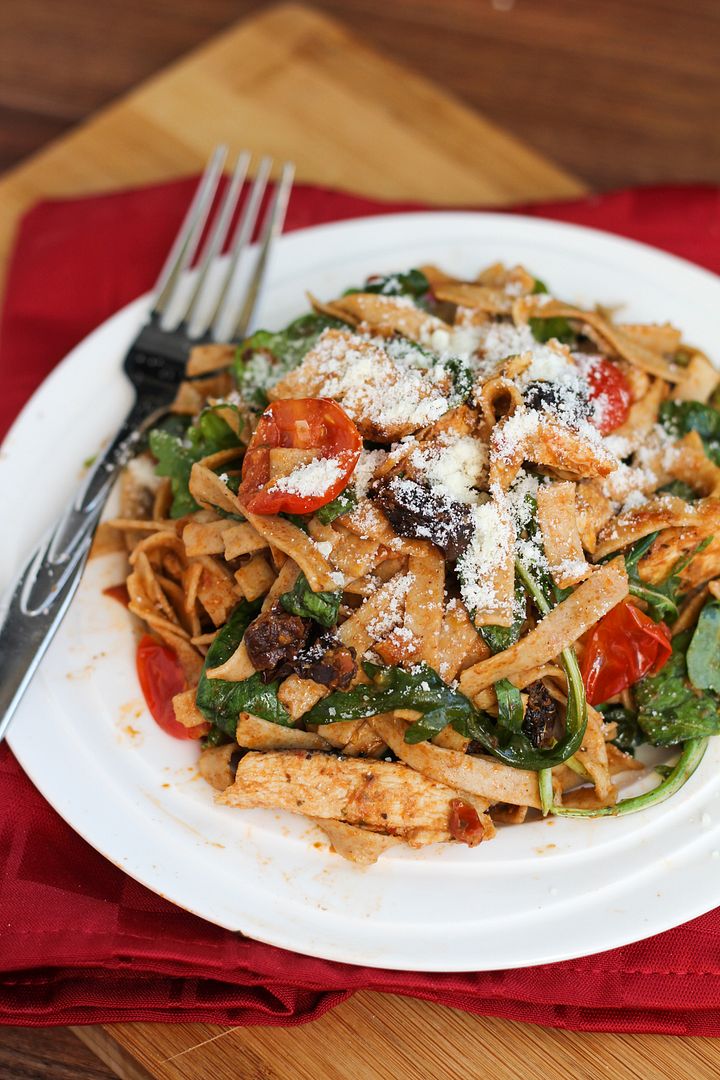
38 600
95 489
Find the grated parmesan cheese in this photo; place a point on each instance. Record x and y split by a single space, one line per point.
312 480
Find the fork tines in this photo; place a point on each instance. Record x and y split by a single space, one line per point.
209 306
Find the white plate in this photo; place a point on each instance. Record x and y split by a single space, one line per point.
541 892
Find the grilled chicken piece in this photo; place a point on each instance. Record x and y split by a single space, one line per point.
381 795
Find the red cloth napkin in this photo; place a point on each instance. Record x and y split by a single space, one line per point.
82 943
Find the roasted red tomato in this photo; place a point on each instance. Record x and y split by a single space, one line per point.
610 393
161 678
315 424
623 647
465 824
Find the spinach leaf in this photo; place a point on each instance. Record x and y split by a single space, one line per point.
266 356
463 380
412 283
323 607
342 504
670 709
680 490
680 417
539 286
510 706
221 701
703 655
174 460
499 638
421 689
629 734
177 454
554 327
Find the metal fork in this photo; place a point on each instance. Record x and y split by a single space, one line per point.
155 365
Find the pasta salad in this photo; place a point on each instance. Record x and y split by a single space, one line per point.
439 555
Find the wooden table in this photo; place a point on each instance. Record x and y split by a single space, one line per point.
295 84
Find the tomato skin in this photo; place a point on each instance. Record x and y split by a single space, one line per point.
610 390
465 824
624 646
161 678
302 424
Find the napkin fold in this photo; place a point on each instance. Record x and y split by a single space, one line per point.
80 942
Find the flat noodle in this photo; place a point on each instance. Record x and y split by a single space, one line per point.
243 539
476 296
459 644
692 465
206 358
485 777
386 315
663 512
210 491
294 542
424 604
527 436
700 382
561 540
255 733
561 627
642 417
255 577
205 538
625 345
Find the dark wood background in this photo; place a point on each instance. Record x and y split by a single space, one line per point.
618 91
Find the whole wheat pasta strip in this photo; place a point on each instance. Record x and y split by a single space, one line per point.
692 465
387 315
424 604
458 642
483 776
475 296
294 542
561 627
255 577
242 539
206 358
701 380
642 417
557 519
625 345
205 538
662 512
255 733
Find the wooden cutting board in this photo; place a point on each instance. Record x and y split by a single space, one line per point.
295 84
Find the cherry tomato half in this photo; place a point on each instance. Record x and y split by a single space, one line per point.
624 646
161 678
316 424
610 393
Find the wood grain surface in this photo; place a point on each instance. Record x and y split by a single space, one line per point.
292 84
623 91
295 84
